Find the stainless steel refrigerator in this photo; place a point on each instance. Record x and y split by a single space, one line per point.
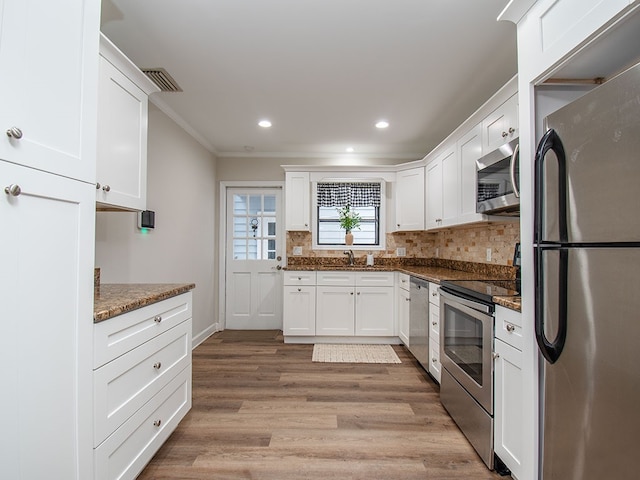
587 270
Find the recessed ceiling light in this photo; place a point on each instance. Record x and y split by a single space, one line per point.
264 123
349 149
382 124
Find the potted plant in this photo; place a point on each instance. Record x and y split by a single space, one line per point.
348 220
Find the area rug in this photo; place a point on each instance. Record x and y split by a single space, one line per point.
354 354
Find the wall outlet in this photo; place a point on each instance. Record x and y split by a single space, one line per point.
297 251
401 251
488 254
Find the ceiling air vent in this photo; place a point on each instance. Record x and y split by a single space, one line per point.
162 79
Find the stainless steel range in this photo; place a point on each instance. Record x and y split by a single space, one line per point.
466 354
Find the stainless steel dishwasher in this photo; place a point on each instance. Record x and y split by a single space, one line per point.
419 321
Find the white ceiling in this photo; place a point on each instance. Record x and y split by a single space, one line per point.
323 71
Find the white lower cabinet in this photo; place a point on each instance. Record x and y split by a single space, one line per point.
434 331
374 311
335 313
141 393
508 416
299 303
403 297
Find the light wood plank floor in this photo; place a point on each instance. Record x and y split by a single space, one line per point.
263 410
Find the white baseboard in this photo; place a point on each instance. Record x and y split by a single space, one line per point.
202 336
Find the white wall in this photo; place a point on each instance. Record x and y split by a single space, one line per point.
181 189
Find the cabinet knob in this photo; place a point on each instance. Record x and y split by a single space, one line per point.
358 293
157 365
397 224
351 293
434 323
505 134
495 355
434 360
407 299
106 188
14 132
13 190
510 328
98 185
157 423
299 289
157 319
511 130
306 224
434 294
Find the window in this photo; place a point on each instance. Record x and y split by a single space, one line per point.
254 227
362 198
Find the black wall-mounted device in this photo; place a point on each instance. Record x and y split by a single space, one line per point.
147 219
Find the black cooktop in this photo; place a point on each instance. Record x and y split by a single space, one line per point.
483 290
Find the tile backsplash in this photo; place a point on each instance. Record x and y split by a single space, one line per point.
467 244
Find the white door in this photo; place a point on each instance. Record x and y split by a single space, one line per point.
254 248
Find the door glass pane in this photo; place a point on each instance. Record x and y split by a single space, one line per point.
255 204
239 249
253 249
239 204
240 226
270 204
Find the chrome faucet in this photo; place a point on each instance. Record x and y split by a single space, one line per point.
352 260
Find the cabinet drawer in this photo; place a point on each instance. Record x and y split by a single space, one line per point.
122 386
374 279
509 326
403 281
118 335
336 278
434 323
300 278
434 294
125 453
434 359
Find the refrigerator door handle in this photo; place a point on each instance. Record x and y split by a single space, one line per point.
550 141
551 350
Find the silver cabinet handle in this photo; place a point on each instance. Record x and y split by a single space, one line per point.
157 318
510 328
157 365
106 188
14 132
157 423
14 190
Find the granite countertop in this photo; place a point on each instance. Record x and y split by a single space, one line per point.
112 299
434 274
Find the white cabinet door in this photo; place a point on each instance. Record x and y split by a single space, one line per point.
297 201
469 150
374 311
410 199
299 310
403 298
434 194
509 421
122 140
46 307
450 187
435 367
500 126
335 311
48 60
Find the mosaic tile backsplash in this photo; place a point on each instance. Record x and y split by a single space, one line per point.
462 244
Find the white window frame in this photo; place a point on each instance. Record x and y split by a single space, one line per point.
381 219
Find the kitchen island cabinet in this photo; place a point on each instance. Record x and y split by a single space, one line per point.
121 169
142 373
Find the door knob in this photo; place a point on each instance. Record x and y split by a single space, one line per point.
278 267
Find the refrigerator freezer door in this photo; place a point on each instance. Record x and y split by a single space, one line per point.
591 394
600 133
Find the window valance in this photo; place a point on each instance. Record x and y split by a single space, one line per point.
354 194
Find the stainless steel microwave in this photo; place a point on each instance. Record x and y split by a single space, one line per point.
498 181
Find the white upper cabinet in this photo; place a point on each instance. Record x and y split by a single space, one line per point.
297 200
47 119
122 131
410 199
500 126
469 150
552 29
434 198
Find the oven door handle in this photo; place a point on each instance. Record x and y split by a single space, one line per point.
463 301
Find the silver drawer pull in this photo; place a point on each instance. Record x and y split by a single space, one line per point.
157 423
157 365
157 319
510 328
13 190
14 132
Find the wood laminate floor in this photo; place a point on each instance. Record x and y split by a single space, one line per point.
263 410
